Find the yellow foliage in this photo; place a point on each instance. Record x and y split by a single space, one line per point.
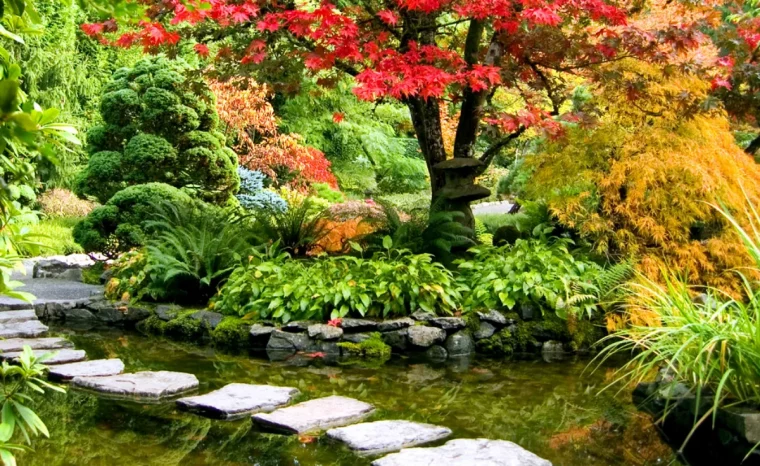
641 182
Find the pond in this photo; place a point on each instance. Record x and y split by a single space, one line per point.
551 409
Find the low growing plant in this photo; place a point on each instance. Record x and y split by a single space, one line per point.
536 271
392 283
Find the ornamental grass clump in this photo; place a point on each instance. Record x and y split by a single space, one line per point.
711 344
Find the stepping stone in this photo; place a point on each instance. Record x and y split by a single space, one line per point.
465 452
315 415
28 329
62 356
96 368
10 317
373 438
17 344
237 400
142 385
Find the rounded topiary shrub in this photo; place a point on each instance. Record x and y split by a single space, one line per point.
159 125
120 224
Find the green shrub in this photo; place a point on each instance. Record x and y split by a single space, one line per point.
373 347
62 203
121 223
159 126
323 191
192 249
539 272
53 237
392 283
296 230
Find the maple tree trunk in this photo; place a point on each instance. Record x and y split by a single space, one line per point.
754 146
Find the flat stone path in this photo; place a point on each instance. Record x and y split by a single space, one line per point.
48 290
11 317
17 344
61 356
238 400
465 452
96 368
373 438
147 386
315 415
28 329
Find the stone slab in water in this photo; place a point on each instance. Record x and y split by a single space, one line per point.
315 415
238 400
8 317
96 368
372 438
61 356
141 385
28 329
465 452
17 344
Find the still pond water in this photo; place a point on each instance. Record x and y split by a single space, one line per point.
552 409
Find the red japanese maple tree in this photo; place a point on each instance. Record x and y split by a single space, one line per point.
426 54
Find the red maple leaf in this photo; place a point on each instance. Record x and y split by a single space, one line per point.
201 49
390 18
337 118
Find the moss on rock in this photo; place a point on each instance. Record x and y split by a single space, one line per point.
373 347
232 332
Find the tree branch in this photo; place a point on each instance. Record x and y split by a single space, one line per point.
492 151
753 146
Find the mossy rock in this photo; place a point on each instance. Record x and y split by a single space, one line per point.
232 332
372 348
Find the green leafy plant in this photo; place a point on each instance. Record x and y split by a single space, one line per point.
18 384
393 283
539 272
296 229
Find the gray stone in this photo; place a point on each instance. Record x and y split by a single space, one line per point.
355 337
448 323
298 326
493 317
743 421
62 267
259 335
47 290
485 330
237 400
396 339
17 344
329 348
61 356
528 311
553 347
459 344
315 415
9 317
437 353
167 312
286 341
28 329
209 319
465 452
71 313
357 325
395 324
424 337
140 385
373 438
324 332
96 368
422 316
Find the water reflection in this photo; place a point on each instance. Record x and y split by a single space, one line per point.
548 408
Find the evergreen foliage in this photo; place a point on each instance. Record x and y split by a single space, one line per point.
159 125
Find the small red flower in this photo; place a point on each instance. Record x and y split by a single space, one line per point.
201 49
338 117
335 322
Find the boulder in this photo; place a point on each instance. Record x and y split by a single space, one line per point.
96 368
324 332
237 400
287 341
528 311
396 339
62 267
448 323
69 313
167 312
424 337
485 330
437 353
355 337
140 385
459 344
358 325
259 335
554 347
209 319
373 438
314 415
422 316
298 326
395 324
465 452
493 317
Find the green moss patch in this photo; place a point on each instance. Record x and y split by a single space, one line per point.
232 332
